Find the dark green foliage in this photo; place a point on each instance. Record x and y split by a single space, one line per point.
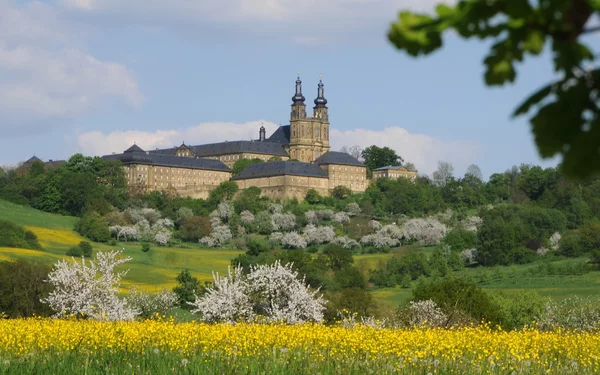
337 257
224 192
187 287
84 249
564 119
22 286
13 235
312 197
461 239
341 192
571 245
93 226
195 227
145 247
459 294
242 164
249 200
355 300
520 309
377 157
589 235
507 230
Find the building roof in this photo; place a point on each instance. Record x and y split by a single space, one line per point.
281 135
393 168
226 148
32 159
336 157
280 168
134 148
135 157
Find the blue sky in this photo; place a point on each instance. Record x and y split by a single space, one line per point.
94 76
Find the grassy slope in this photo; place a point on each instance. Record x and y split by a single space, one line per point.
158 268
153 270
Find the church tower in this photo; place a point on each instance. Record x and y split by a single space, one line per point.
309 137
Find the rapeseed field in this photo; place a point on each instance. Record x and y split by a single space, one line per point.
51 346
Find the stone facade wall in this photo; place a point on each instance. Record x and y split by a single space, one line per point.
395 174
286 187
309 138
147 178
353 177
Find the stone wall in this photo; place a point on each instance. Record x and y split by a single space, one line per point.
145 178
286 187
352 177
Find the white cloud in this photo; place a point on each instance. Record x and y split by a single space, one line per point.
45 73
291 19
421 149
98 143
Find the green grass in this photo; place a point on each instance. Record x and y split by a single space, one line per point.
153 270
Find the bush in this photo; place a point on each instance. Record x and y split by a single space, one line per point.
187 288
461 239
151 305
145 247
84 249
13 235
22 285
312 196
458 295
425 231
570 245
341 192
94 227
194 228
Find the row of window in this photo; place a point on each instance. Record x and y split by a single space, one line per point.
345 176
176 171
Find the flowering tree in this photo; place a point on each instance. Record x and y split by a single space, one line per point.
318 235
89 289
150 304
341 217
345 242
275 208
472 223
293 240
283 222
555 241
220 235
273 291
425 231
425 313
379 240
225 211
374 225
246 217
353 209
162 237
311 217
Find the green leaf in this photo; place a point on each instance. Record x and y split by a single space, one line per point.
445 11
534 42
533 100
416 34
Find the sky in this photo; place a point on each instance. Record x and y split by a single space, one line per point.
95 76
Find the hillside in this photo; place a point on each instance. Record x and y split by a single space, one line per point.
153 270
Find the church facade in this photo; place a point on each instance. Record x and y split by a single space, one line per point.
296 157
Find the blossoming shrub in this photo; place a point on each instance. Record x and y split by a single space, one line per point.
283 222
151 304
89 289
424 231
318 235
273 292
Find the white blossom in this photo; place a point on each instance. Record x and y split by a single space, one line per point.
391 231
184 213
311 217
163 224
325 214
353 209
346 242
276 237
225 211
162 237
379 240
555 241
89 289
341 217
472 223
227 300
220 235
293 240
283 222
426 313
275 208
150 304
318 235
374 225
277 294
468 256
246 217
128 233
425 231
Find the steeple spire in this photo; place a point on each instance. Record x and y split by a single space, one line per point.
320 101
298 98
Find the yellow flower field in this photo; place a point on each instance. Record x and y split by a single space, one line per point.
465 350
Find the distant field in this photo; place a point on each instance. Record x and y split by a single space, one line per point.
153 270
